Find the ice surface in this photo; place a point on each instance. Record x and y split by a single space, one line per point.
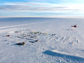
58 42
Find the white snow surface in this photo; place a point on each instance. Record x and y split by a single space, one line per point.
58 42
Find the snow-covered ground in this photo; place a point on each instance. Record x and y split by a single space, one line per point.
58 42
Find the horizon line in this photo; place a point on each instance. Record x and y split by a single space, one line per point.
45 16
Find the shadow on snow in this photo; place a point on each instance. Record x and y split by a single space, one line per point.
73 58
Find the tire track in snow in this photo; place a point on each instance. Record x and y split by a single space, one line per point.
7 28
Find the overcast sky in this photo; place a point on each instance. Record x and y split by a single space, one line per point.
41 7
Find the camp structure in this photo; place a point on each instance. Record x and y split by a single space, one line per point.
20 43
16 31
7 35
33 41
53 34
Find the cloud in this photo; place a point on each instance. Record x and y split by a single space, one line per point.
20 7
27 8
41 8
58 1
34 6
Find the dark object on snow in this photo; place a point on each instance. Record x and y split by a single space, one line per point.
20 43
74 26
33 41
7 35
53 34
16 31
36 40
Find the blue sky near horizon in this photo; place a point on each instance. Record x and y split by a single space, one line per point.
41 8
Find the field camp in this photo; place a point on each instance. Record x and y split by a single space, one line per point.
41 40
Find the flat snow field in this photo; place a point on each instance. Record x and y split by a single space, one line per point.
47 40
